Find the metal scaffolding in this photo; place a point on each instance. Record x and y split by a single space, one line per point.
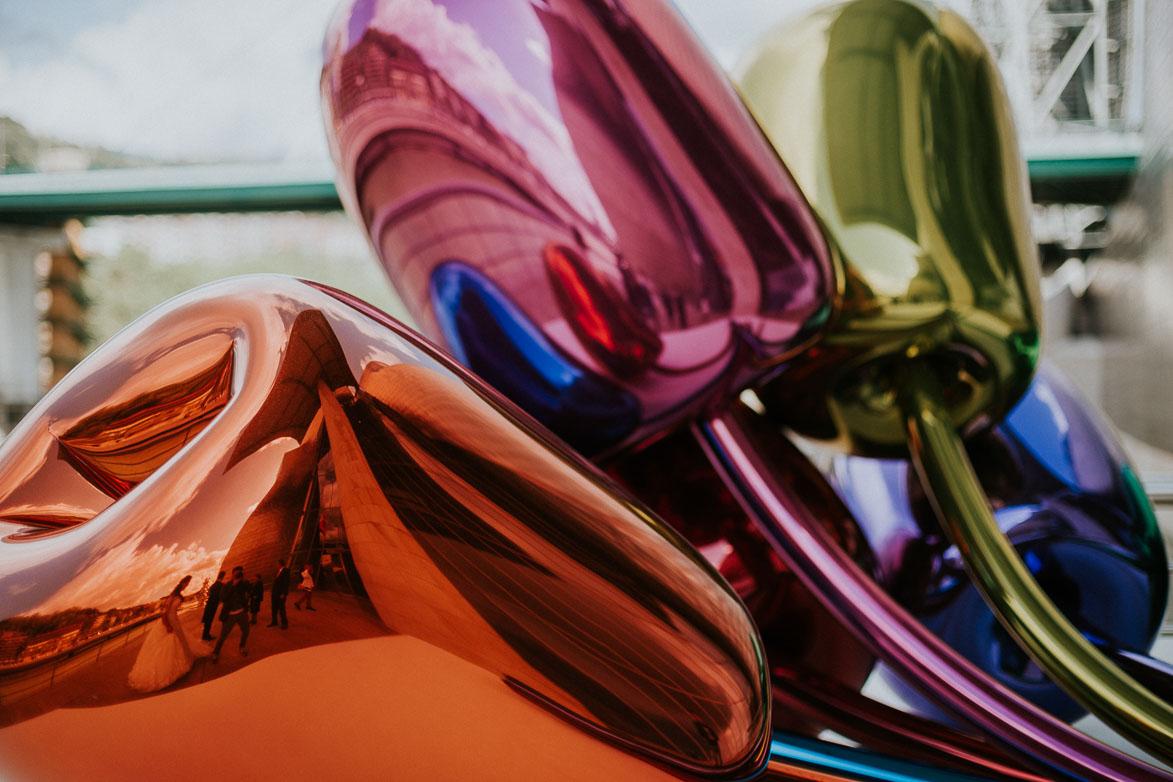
1069 65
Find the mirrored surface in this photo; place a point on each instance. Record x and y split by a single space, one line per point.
1067 498
579 180
894 119
424 555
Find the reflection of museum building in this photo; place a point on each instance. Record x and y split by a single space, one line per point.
116 448
496 204
489 177
300 521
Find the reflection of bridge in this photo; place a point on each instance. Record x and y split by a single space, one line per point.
47 658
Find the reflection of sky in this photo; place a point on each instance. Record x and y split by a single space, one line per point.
242 80
166 529
518 44
133 574
488 78
364 341
1040 423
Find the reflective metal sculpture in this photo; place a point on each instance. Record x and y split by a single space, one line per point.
560 191
791 500
816 663
803 643
609 257
1065 495
572 198
476 583
893 117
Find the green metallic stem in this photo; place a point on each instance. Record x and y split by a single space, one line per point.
1009 588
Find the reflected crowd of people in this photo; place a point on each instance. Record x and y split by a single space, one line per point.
167 654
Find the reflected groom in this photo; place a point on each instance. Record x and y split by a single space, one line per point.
211 606
234 611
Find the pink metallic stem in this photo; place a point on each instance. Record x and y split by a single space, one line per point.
886 729
784 494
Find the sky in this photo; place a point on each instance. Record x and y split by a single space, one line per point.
213 80
168 78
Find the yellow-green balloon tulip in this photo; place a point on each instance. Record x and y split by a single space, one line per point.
893 119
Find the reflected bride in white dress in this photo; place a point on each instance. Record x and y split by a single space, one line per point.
167 653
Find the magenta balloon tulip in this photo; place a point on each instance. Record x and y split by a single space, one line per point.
572 198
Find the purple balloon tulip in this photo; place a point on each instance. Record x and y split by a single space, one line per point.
1065 494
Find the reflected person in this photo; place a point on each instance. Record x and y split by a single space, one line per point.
255 595
307 589
211 606
166 654
234 611
278 594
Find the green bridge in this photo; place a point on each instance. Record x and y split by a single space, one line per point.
47 198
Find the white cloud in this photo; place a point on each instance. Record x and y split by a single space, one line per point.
129 574
456 51
175 78
219 79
